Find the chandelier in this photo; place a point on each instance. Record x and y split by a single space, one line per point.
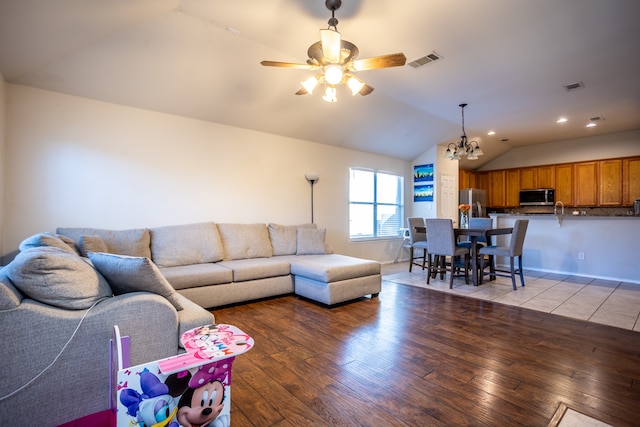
471 149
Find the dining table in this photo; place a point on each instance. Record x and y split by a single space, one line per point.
473 234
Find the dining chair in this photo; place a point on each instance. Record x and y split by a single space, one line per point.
513 250
416 241
442 244
478 223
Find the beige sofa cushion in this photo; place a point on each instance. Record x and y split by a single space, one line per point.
284 238
57 277
133 242
332 268
257 268
196 275
186 244
243 241
310 241
132 274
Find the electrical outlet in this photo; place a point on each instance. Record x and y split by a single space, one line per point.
580 255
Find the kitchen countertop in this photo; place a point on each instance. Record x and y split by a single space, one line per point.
617 212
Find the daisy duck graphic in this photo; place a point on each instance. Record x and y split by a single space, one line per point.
157 405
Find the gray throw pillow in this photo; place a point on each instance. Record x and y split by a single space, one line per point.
311 241
53 276
88 244
284 238
132 274
48 239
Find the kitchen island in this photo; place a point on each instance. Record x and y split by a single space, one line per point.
605 247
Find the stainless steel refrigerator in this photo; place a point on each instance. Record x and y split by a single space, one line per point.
477 199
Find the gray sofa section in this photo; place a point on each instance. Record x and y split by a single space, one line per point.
69 367
216 264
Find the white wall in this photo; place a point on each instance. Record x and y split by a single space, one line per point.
441 166
72 161
623 144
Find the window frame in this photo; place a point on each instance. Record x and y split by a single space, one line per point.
375 204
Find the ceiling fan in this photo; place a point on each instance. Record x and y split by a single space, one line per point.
335 60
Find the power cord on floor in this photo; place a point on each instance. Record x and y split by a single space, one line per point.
19 389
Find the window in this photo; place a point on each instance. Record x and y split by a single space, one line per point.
376 206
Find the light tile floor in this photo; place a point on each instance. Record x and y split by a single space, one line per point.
594 300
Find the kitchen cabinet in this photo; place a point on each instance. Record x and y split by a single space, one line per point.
546 176
610 182
512 188
528 178
467 179
564 183
586 184
607 183
630 180
496 193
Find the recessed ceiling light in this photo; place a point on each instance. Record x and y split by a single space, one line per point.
591 125
562 120
491 132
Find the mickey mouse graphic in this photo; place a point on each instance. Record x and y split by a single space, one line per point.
203 402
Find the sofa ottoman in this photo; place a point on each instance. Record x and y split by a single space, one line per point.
333 278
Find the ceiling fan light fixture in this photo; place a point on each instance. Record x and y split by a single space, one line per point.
333 74
355 84
330 45
330 94
310 84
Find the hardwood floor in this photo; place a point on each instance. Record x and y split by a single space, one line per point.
417 357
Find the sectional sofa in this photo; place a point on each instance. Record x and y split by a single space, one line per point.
63 293
215 264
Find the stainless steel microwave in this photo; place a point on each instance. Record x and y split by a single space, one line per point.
537 197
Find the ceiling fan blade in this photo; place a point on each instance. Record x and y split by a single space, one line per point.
330 45
287 65
384 61
366 90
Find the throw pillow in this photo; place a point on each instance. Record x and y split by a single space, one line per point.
54 276
132 274
311 241
47 239
91 244
133 242
284 238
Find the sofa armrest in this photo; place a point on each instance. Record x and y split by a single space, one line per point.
77 382
192 316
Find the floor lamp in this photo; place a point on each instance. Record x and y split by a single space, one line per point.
312 178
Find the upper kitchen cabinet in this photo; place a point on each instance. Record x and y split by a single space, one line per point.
546 176
564 183
630 180
512 187
610 182
496 193
528 178
586 184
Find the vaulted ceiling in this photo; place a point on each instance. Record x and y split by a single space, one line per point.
509 60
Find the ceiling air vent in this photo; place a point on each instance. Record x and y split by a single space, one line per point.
574 86
424 60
